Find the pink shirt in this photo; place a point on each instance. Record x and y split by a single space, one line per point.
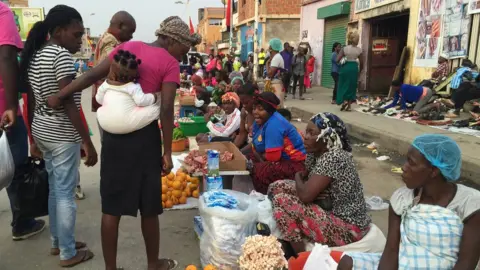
8 36
157 66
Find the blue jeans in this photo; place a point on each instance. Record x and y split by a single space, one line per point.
18 141
62 161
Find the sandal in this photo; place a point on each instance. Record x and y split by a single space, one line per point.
172 264
81 257
344 106
56 251
348 108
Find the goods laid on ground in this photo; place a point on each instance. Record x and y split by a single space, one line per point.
176 188
196 161
208 267
262 252
179 140
228 218
193 126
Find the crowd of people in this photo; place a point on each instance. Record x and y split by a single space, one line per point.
311 177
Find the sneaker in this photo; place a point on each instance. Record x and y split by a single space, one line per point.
79 195
36 229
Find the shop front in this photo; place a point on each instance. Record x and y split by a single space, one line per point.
247 33
323 23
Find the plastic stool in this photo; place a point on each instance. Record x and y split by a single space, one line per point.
186 111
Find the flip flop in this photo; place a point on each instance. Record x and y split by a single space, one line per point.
344 105
81 257
78 245
172 264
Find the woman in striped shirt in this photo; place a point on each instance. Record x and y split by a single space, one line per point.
46 67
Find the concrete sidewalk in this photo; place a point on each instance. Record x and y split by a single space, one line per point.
392 134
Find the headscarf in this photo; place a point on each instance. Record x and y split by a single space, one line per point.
237 78
175 28
231 96
276 44
442 152
332 131
196 80
268 100
234 74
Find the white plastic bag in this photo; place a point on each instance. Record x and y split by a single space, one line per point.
225 230
320 258
120 115
265 216
7 166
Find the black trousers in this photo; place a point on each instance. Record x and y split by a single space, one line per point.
335 86
299 79
287 76
465 92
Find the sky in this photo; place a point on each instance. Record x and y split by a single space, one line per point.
148 14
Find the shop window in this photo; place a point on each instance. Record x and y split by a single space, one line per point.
216 22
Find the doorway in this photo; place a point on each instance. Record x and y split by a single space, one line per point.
388 37
335 31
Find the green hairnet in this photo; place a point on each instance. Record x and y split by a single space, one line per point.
276 44
442 152
237 78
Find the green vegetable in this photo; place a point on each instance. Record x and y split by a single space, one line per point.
178 134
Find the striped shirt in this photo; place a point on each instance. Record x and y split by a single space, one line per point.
48 66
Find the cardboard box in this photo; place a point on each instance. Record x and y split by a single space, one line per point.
239 162
187 100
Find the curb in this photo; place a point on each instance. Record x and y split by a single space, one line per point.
392 142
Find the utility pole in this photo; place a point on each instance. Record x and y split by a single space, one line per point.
231 23
255 41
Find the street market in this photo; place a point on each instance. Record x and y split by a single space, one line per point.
251 134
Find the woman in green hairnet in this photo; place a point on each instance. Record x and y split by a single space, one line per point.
275 67
433 222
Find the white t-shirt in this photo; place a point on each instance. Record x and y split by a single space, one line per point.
465 203
277 61
125 108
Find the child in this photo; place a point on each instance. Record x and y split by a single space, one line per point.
125 108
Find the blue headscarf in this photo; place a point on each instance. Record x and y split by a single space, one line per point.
442 152
332 131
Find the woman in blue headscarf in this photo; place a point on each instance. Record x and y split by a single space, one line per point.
433 222
275 67
325 203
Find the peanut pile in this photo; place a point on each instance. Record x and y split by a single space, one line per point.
262 253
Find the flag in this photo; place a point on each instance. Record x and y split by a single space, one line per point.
192 29
228 18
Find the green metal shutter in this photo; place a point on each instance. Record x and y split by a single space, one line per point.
335 31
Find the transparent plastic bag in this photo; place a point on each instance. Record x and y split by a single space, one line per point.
225 230
265 216
7 166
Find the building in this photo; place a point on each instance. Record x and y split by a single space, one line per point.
277 19
16 3
209 27
322 23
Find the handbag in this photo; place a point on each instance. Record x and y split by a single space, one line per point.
33 190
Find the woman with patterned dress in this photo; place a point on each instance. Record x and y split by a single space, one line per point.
324 204
433 222
277 150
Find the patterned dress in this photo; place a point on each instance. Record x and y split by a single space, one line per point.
346 222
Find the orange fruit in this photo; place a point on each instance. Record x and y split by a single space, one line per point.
188 178
184 185
210 267
188 192
177 193
164 197
177 185
169 194
168 204
180 177
182 200
184 194
193 186
196 193
194 180
191 267
164 180
170 183
175 201
164 189
171 176
180 170
163 205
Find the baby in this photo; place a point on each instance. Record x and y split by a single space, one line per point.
125 108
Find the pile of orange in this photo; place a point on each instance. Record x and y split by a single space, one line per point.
176 188
208 267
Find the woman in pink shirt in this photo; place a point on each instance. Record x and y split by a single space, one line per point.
132 163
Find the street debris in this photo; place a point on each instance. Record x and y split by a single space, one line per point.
372 146
383 158
375 203
375 151
397 170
